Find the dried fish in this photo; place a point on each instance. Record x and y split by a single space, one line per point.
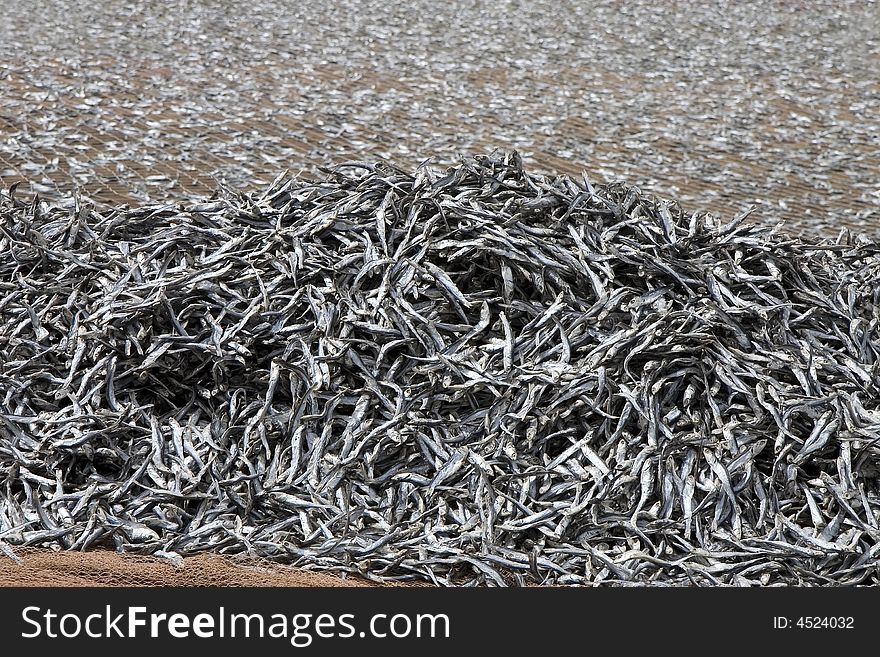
473 377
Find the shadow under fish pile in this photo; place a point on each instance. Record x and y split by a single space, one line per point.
477 376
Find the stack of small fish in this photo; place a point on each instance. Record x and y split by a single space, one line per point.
472 377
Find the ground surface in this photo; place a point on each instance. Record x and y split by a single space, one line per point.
722 106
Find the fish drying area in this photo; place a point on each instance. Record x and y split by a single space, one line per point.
485 294
721 107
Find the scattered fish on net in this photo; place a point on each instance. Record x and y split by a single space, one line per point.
477 376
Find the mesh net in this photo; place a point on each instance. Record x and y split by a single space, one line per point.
45 567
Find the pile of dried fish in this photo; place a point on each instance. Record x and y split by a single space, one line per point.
477 376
